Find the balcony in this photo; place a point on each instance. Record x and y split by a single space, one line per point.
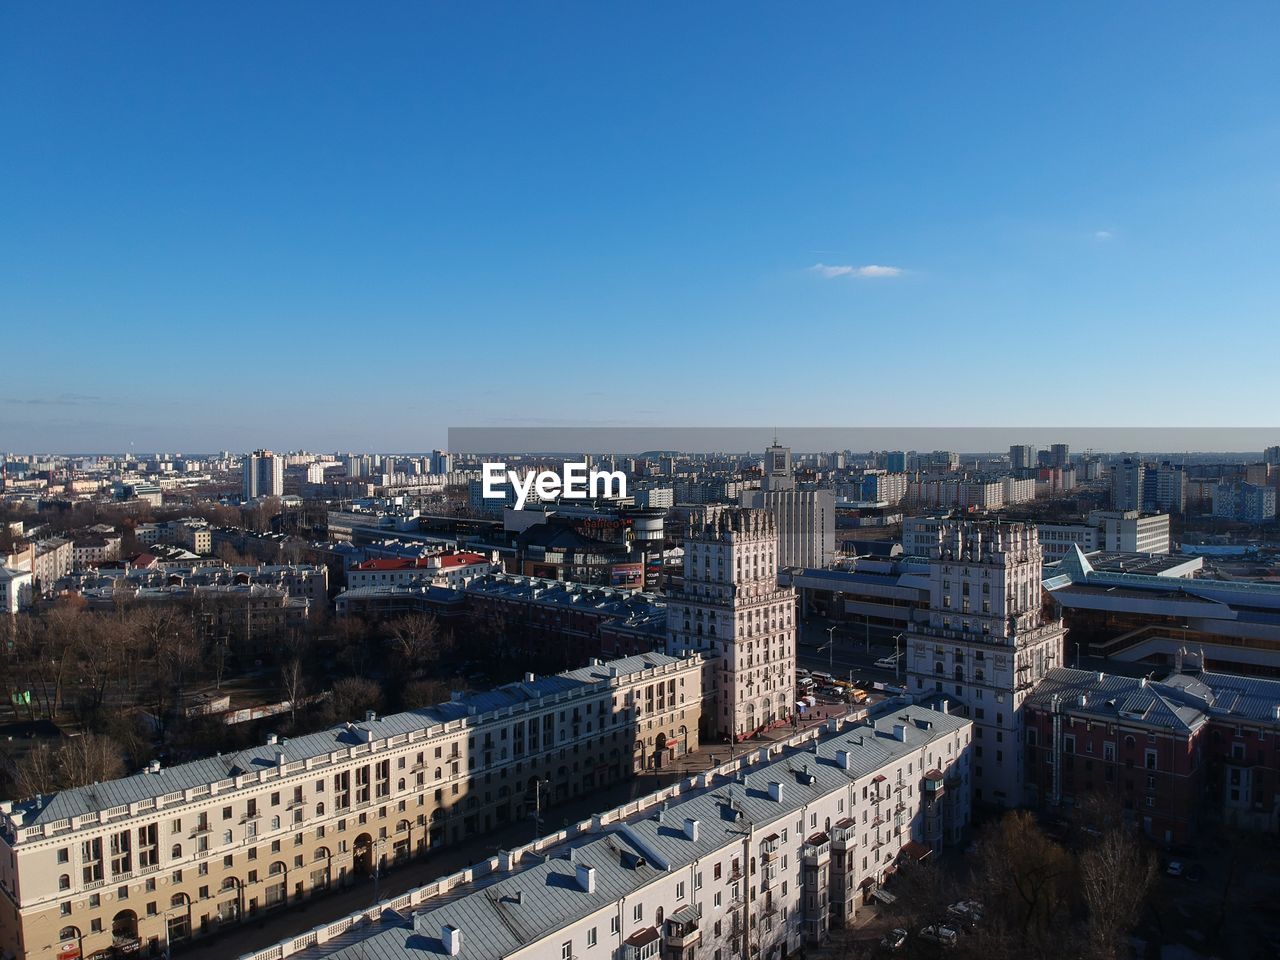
684 928
816 849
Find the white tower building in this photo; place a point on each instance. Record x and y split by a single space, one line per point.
986 643
731 611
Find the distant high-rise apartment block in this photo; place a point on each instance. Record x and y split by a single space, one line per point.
1126 485
805 515
441 462
1245 502
263 475
1059 455
895 461
1271 455
1022 457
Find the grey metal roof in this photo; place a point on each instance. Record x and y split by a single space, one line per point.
147 786
498 915
1113 697
1227 695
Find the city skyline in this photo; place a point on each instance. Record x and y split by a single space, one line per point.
220 219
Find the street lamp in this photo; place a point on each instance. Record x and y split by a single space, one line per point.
831 646
537 804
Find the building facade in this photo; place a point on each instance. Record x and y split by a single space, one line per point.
1245 502
15 590
986 642
731 610
758 859
805 515
171 854
263 475
1199 746
450 569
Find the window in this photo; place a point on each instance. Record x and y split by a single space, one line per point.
566 950
637 914
591 937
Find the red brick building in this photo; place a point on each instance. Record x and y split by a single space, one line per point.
1171 754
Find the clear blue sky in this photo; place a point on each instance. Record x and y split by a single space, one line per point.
353 225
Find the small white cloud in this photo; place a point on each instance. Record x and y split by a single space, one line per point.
1102 236
869 271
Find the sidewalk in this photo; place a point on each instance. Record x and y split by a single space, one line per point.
273 927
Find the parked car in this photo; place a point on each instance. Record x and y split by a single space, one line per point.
938 933
1174 869
968 913
894 939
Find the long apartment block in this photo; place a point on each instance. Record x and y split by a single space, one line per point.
759 858
175 853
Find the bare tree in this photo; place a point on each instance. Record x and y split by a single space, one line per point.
424 693
1029 880
293 685
90 758
416 640
1116 874
352 696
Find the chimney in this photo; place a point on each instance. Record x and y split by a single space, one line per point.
153 766
586 878
945 706
451 937
272 739
775 790
843 760
530 677
691 825
370 716
900 732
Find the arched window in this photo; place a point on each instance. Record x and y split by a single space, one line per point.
937 666
400 785
226 836
322 853
228 883
320 809
178 900
176 852
69 933
437 773
275 822
276 868
64 882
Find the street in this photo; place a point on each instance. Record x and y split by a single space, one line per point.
855 648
